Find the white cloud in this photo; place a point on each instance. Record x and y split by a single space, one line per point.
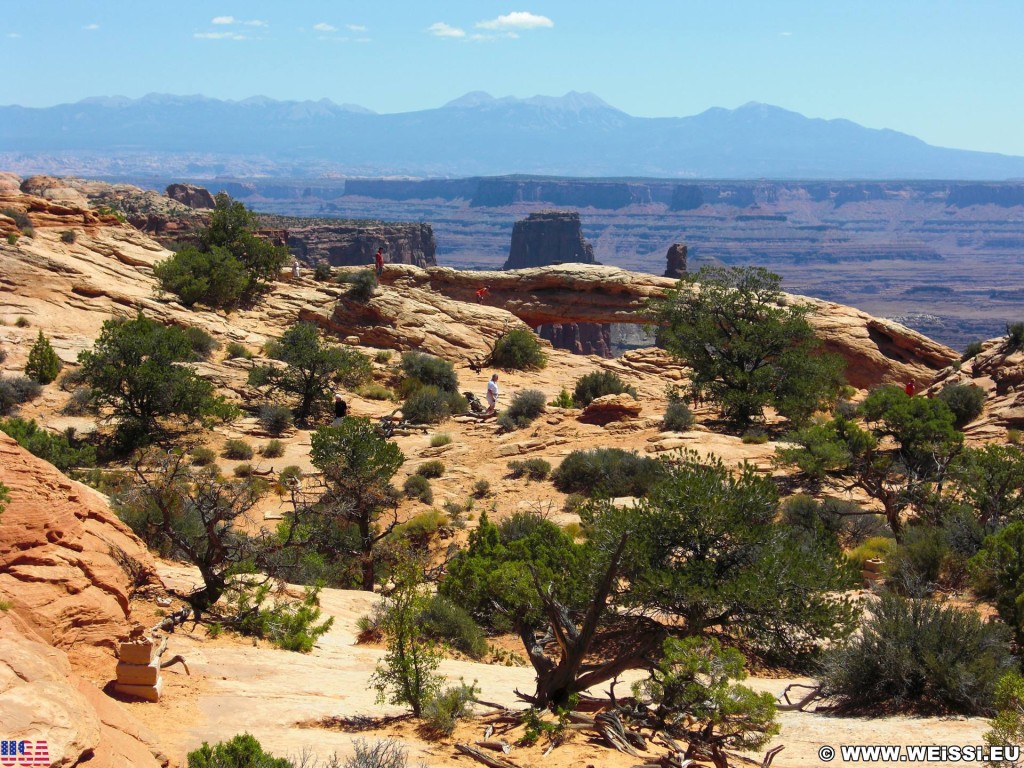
220 36
14 34
440 29
91 27
785 34
356 27
323 26
223 20
232 20
517 20
255 23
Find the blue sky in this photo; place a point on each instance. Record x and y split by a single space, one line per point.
950 72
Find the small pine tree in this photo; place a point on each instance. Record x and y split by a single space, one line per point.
43 363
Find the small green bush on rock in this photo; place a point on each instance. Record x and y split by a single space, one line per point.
237 449
597 384
518 350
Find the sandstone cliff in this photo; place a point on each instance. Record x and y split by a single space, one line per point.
67 569
354 244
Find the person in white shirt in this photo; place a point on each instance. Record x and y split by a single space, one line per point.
492 395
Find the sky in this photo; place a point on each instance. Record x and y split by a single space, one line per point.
950 72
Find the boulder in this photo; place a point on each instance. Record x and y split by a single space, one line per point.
191 195
608 408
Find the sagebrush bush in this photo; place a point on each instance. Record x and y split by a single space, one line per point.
431 469
966 401
450 623
289 475
526 405
355 369
22 322
918 656
418 487
419 530
373 391
597 384
203 456
444 709
430 405
520 350
677 418
243 470
874 548
237 449
532 469
202 343
755 436
17 390
361 285
608 472
79 403
440 438
275 419
422 369
564 399
68 236
381 754
382 356
274 449
235 349
481 488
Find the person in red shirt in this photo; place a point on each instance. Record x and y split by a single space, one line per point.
909 389
482 294
379 259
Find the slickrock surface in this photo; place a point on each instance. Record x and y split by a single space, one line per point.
66 561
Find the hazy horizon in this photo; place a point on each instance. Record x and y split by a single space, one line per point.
946 73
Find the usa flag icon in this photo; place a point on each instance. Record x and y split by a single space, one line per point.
15 753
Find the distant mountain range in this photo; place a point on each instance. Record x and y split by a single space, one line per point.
574 135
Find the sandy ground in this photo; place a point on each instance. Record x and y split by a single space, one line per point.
280 697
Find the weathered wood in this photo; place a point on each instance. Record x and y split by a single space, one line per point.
784 704
496 746
611 729
770 755
482 757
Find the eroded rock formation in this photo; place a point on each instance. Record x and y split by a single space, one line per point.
350 245
548 237
675 261
190 195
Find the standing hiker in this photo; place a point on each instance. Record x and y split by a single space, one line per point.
379 260
340 410
492 395
296 270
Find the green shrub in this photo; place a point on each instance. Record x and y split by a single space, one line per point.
375 392
274 449
288 624
915 566
202 343
755 436
598 384
431 469
1013 437
875 548
382 356
971 351
532 469
61 450
243 751
203 456
381 754
215 278
518 350
419 530
68 236
607 472
322 271
17 390
289 474
355 368
12 238
43 364
427 370
275 419
442 710
21 219
22 322
481 488
677 418
237 449
564 399
236 349
526 405
79 403
916 655
430 405
1015 334
1008 725
243 470
418 487
440 438
361 285
966 401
